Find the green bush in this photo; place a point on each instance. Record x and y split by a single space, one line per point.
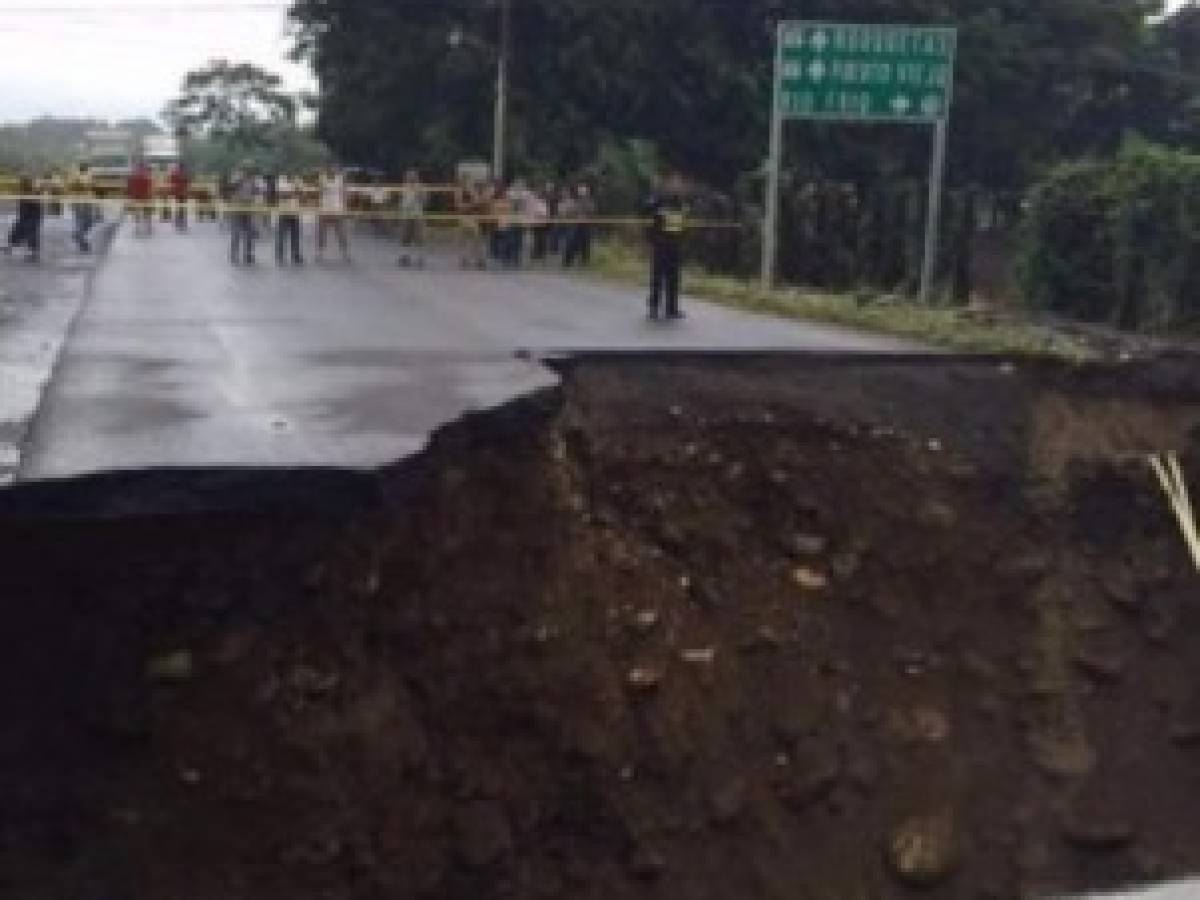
1117 241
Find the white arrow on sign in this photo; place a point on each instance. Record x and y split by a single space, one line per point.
820 41
901 104
816 71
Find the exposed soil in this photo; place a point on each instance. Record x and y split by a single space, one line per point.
736 628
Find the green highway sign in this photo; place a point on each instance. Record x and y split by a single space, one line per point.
844 72
841 72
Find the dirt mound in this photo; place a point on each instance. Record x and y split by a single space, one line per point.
691 629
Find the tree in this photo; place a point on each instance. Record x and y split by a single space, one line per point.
233 113
235 102
1036 81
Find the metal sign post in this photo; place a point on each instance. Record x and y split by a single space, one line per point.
933 217
774 165
838 72
499 135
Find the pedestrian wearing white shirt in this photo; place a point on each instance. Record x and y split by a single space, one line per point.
332 215
412 219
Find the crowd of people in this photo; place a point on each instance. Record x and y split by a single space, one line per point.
496 224
516 220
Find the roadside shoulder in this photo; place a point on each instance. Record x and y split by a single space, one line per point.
38 304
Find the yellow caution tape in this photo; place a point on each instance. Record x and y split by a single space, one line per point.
506 219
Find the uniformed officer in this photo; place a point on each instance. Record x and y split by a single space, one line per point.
27 229
668 214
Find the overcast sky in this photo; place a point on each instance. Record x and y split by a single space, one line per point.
124 58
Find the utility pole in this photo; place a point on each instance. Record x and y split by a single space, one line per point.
498 136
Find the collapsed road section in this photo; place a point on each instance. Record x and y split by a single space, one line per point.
681 627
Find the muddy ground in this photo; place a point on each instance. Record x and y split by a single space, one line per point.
752 627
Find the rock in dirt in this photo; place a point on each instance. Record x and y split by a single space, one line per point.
1158 624
699 656
790 722
647 864
811 776
1066 753
703 595
643 679
176 665
863 771
808 545
922 851
728 801
483 834
1122 591
234 646
978 666
922 724
311 682
645 620
1101 659
1026 566
845 565
937 514
1185 720
1092 825
810 579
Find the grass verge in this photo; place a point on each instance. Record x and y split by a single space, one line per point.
949 328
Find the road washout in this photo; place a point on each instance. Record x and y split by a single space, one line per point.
690 627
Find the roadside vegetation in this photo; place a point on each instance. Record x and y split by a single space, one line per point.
947 327
1117 241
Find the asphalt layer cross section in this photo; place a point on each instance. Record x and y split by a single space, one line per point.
181 360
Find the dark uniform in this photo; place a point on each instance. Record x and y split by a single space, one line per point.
27 229
668 215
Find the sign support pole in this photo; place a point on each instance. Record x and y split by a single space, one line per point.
770 236
933 221
501 111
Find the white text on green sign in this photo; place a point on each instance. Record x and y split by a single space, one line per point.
865 72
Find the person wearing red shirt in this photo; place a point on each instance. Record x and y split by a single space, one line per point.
178 180
141 191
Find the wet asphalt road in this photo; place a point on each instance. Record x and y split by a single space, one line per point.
37 304
179 359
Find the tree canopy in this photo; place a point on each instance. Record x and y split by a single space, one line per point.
412 82
230 113
230 100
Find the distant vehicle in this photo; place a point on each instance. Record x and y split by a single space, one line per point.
160 152
109 155
473 171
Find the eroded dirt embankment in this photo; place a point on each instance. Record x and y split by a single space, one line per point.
687 629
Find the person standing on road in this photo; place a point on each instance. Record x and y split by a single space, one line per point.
520 209
225 188
543 206
668 221
565 213
241 218
412 218
473 205
287 226
27 229
141 197
82 211
579 232
178 186
333 213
